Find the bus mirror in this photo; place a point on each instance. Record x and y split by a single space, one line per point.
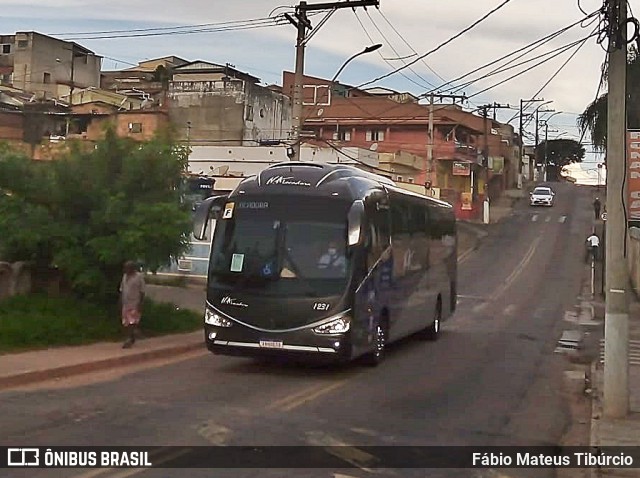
208 208
356 214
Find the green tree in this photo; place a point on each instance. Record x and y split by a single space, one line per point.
559 153
89 211
594 117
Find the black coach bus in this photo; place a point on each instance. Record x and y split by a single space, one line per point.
327 261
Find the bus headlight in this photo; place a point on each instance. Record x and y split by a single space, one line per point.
337 326
212 318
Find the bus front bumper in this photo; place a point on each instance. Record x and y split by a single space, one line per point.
303 344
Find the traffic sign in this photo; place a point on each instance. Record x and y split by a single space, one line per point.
603 216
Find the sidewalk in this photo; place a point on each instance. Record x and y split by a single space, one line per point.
31 367
624 431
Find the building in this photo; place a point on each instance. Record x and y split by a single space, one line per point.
218 104
149 80
45 66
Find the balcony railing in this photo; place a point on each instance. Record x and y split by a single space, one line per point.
455 151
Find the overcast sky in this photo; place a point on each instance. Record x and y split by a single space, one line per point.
404 27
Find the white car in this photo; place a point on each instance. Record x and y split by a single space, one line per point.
541 196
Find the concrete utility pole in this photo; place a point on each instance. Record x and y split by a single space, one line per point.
301 22
430 144
616 366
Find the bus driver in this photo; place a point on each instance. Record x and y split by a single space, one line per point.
332 259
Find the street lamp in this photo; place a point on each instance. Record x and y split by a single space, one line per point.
298 120
368 49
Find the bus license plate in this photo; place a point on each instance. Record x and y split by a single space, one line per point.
271 344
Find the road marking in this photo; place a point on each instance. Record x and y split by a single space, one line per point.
479 307
305 399
534 218
342 450
471 297
562 218
465 255
156 456
510 309
517 270
214 433
547 219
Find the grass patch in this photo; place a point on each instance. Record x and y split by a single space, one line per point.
38 321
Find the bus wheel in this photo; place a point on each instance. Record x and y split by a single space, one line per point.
432 331
380 343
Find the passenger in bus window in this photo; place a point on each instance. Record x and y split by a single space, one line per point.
332 258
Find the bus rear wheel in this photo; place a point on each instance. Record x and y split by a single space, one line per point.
432 331
376 357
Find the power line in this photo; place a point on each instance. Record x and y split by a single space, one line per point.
160 29
246 25
555 52
529 69
441 45
530 47
396 51
364 29
407 43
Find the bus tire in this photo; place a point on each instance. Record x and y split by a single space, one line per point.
375 358
432 331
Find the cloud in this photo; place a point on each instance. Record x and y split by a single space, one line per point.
266 52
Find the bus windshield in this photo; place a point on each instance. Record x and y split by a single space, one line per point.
281 251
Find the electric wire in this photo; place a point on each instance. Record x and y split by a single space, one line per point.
161 29
394 50
580 45
243 25
440 46
408 44
530 47
551 53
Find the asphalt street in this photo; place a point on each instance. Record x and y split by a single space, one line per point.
491 379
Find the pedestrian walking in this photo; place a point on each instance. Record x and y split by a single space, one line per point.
596 207
131 298
593 244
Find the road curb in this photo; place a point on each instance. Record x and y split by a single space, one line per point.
35 376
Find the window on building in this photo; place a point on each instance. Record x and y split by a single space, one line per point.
23 43
342 135
46 78
399 178
6 48
135 127
5 79
248 113
375 135
410 180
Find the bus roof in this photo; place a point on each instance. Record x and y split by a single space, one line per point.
306 178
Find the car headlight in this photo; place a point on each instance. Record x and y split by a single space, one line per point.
212 318
337 326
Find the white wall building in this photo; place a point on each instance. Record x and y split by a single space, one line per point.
250 160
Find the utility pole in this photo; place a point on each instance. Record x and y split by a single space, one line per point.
301 22
616 366
521 133
430 144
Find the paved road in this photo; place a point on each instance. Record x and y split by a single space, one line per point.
491 379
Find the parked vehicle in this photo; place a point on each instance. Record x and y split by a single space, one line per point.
541 196
322 261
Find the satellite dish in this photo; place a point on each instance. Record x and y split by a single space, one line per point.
220 170
373 147
320 111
